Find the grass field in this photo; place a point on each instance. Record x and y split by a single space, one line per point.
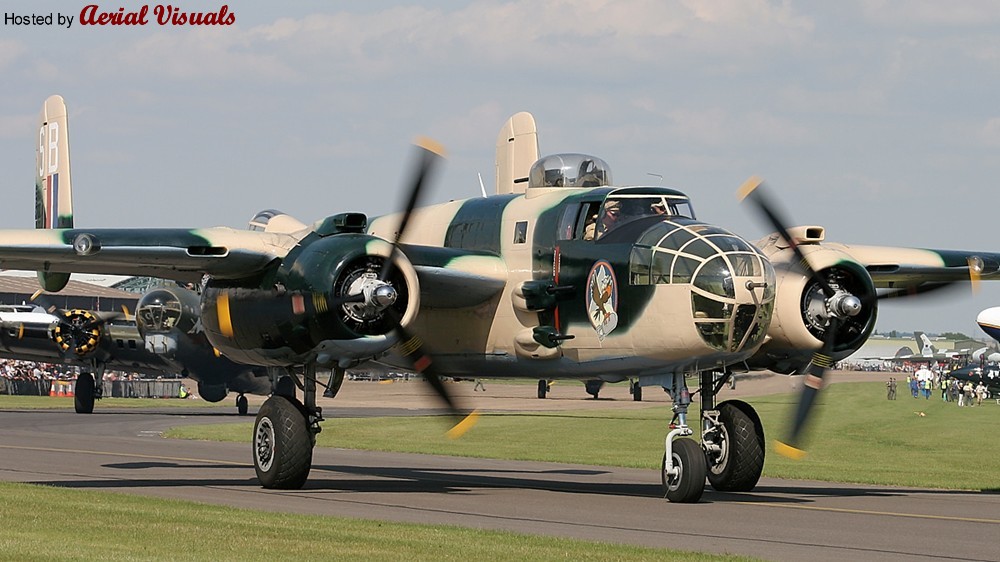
45 523
856 436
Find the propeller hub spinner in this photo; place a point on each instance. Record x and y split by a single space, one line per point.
378 295
844 304
384 296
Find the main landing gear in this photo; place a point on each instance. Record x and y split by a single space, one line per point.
284 433
731 453
87 389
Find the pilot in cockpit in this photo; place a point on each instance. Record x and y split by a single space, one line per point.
608 220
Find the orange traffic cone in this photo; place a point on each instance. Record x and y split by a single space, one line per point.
52 389
69 388
60 389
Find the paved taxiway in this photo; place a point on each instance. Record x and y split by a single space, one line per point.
781 520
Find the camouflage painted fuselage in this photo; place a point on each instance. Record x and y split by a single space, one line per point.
622 298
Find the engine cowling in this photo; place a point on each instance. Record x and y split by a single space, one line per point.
78 331
802 310
324 303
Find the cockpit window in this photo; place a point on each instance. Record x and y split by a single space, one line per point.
623 209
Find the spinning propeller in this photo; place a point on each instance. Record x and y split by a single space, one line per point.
841 306
412 347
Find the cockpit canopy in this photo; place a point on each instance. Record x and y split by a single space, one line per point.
273 220
569 170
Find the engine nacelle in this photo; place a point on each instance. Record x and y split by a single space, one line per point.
301 313
802 310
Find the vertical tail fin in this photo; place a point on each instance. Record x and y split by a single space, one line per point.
926 347
517 150
53 195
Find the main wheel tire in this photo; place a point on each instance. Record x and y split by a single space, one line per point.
689 483
242 405
543 388
83 396
636 392
282 444
738 465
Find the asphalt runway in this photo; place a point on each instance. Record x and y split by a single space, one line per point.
123 451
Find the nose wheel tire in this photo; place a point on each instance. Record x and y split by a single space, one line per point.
282 444
688 483
737 465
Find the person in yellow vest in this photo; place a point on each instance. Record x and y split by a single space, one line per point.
183 392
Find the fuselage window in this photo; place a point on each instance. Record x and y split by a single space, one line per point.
567 222
586 225
521 232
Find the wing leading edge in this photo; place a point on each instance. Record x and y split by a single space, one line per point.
900 268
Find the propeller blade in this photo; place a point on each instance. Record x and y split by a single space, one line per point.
430 152
821 362
754 190
413 350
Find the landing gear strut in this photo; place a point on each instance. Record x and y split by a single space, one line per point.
683 468
284 433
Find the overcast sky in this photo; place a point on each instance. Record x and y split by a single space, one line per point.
879 120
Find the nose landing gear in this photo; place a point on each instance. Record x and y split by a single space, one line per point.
731 453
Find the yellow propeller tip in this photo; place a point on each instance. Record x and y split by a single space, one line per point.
748 186
36 294
463 426
788 451
431 145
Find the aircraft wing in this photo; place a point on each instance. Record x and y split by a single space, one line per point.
179 254
900 268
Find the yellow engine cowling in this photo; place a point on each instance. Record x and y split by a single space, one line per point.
78 331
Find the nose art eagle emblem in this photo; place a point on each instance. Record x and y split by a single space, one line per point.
602 299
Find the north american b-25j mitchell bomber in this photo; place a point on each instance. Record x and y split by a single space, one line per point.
560 274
